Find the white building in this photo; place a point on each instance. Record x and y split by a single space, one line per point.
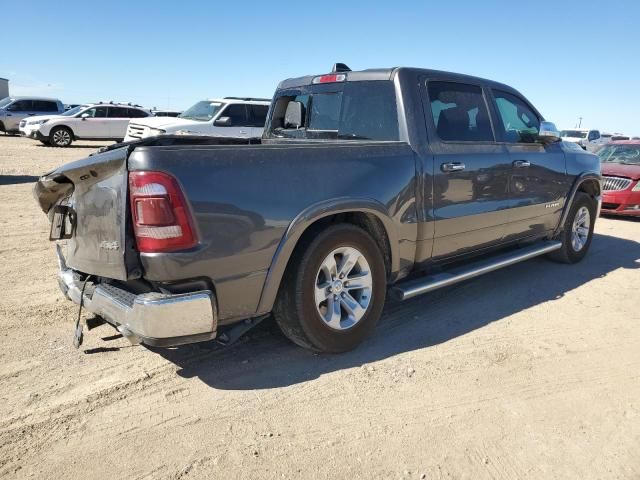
4 88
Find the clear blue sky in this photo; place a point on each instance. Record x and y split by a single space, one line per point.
571 59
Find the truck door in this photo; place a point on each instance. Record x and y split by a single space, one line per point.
91 124
471 169
117 121
18 110
257 118
537 179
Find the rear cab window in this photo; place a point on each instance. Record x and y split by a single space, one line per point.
356 110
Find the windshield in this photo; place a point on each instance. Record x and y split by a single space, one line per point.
73 111
625 154
202 111
573 133
4 102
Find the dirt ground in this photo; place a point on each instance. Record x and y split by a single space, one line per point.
530 372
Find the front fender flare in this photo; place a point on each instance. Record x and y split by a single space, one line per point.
583 177
304 220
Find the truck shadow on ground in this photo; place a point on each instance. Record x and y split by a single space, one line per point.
266 359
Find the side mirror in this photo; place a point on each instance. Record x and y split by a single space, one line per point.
84 116
548 133
293 116
223 122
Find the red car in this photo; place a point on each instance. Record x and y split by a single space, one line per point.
621 178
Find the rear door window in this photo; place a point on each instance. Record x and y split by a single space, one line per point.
257 115
459 112
118 112
520 124
45 106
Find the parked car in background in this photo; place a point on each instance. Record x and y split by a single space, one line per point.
224 117
621 178
403 177
99 121
586 138
165 113
15 109
69 106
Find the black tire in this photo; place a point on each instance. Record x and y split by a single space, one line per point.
295 309
568 253
2 128
60 137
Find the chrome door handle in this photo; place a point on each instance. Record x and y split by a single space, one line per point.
452 167
521 163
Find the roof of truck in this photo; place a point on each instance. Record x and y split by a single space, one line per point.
32 97
388 74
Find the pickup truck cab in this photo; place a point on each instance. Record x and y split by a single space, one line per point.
588 139
399 179
221 117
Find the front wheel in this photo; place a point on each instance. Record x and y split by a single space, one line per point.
333 292
60 137
577 231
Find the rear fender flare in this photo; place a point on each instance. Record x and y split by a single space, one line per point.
303 221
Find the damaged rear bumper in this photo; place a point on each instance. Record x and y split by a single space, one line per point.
155 319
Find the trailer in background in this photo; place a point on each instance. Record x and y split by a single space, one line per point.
4 88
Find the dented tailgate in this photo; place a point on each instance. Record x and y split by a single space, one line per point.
95 191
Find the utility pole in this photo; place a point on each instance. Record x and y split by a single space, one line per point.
579 122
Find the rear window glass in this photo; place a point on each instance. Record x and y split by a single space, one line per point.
349 111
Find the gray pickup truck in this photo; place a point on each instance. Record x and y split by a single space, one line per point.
399 178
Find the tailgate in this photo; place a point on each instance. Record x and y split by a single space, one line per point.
95 189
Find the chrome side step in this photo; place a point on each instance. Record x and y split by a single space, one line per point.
416 287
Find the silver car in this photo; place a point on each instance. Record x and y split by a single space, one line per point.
15 109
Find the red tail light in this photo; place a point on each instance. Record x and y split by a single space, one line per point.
161 218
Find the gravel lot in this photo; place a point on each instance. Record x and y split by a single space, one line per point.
529 372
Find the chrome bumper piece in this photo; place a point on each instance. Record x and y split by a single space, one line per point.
156 319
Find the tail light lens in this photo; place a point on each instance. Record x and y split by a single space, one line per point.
162 221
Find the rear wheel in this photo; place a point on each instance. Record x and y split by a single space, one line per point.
333 292
60 137
577 231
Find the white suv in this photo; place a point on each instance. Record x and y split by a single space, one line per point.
225 117
588 139
96 121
